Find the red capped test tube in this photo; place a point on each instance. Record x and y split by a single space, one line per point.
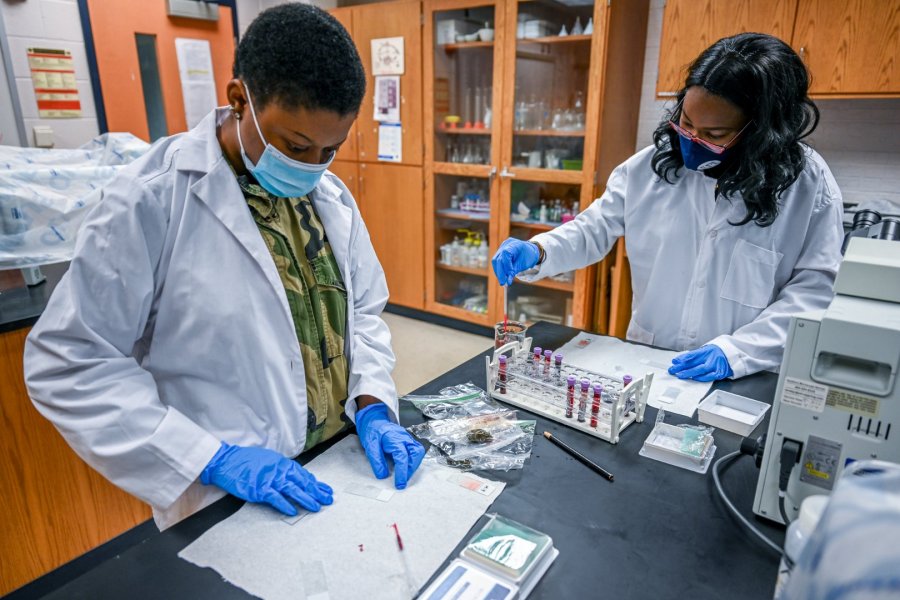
501 368
570 396
582 400
595 404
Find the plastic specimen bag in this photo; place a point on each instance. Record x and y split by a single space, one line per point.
464 400
45 195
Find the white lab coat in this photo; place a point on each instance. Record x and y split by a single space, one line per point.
171 330
697 279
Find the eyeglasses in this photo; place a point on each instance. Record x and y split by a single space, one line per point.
715 148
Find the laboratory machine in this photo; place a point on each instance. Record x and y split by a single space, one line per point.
837 399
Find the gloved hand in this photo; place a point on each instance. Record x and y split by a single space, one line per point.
263 475
706 363
380 436
512 257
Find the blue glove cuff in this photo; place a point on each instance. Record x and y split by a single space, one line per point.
213 464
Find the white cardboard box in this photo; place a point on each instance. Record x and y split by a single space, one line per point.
731 412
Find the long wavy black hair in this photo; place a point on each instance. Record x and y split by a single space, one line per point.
766 79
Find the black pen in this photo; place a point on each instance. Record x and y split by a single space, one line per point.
580 457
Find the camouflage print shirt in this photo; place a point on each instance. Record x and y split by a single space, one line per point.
317 298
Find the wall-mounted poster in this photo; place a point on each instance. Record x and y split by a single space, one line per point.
53 76
387 56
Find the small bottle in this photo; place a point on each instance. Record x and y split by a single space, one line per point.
798 533
501 377
542 212
582 400
570 396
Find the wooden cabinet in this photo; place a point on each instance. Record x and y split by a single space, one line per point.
850 47
513 119
392 207
348 172
54 506
691 26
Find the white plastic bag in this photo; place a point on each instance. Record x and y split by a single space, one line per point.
45 195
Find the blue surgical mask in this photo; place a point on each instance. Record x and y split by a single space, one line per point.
698 158
277 173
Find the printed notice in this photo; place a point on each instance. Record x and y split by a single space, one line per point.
198 86
390 142
804 394
53 76
853 402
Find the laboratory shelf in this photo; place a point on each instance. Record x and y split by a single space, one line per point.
463 216
545 175
465 131
548 133
537 225
466 46
556 39
466 270
455 312
562 286
462 169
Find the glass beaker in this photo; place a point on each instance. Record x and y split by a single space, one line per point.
511 331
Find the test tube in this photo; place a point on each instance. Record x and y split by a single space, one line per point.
629 404
582 400
502 373
595 405
536 361
606 400
547 355
570 396
557 367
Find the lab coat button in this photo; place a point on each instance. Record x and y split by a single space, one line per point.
713 234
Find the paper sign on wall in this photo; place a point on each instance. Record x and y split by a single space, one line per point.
198 86
53 76
387 99
390 142
387 56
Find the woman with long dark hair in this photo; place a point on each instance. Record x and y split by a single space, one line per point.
731 223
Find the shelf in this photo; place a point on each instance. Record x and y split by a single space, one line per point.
537 225
547 175
461 131
555 39
551 284
448 213
455 312
462 169
465 46
464 270
547 133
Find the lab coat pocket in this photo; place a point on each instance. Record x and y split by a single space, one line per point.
636 333
751 275
332 303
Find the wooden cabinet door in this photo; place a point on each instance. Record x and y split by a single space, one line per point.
392 207
691 26
850 46
348 172
348 150
385 20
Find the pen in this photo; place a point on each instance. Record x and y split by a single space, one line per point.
580 457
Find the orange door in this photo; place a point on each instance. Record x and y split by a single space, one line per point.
118 28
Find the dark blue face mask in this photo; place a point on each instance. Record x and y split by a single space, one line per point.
699 158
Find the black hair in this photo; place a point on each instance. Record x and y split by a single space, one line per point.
765 78
298 55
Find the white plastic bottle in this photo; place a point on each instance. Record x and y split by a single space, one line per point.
798 533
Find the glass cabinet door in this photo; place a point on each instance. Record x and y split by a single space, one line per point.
550 86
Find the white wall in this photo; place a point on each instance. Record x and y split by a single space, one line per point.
49 24
248 9
860 139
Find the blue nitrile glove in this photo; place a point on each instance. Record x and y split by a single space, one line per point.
380 436
706 363
263 475
512 257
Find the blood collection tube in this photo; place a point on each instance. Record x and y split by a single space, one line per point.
557 368
582 400
502 373
595 405
547 356
570 396
606 401
536 361
629 404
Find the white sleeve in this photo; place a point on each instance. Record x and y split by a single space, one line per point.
79 365
371 356
759 345
589 237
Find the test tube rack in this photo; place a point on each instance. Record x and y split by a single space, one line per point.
546 393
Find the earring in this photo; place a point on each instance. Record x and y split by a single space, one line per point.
234 111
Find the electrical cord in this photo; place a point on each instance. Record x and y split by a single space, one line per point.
790 455
734 511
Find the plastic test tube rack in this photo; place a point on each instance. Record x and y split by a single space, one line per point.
529 386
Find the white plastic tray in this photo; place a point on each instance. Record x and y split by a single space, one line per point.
731 412
658 446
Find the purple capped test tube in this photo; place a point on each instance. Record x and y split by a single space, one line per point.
582 400
570 396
